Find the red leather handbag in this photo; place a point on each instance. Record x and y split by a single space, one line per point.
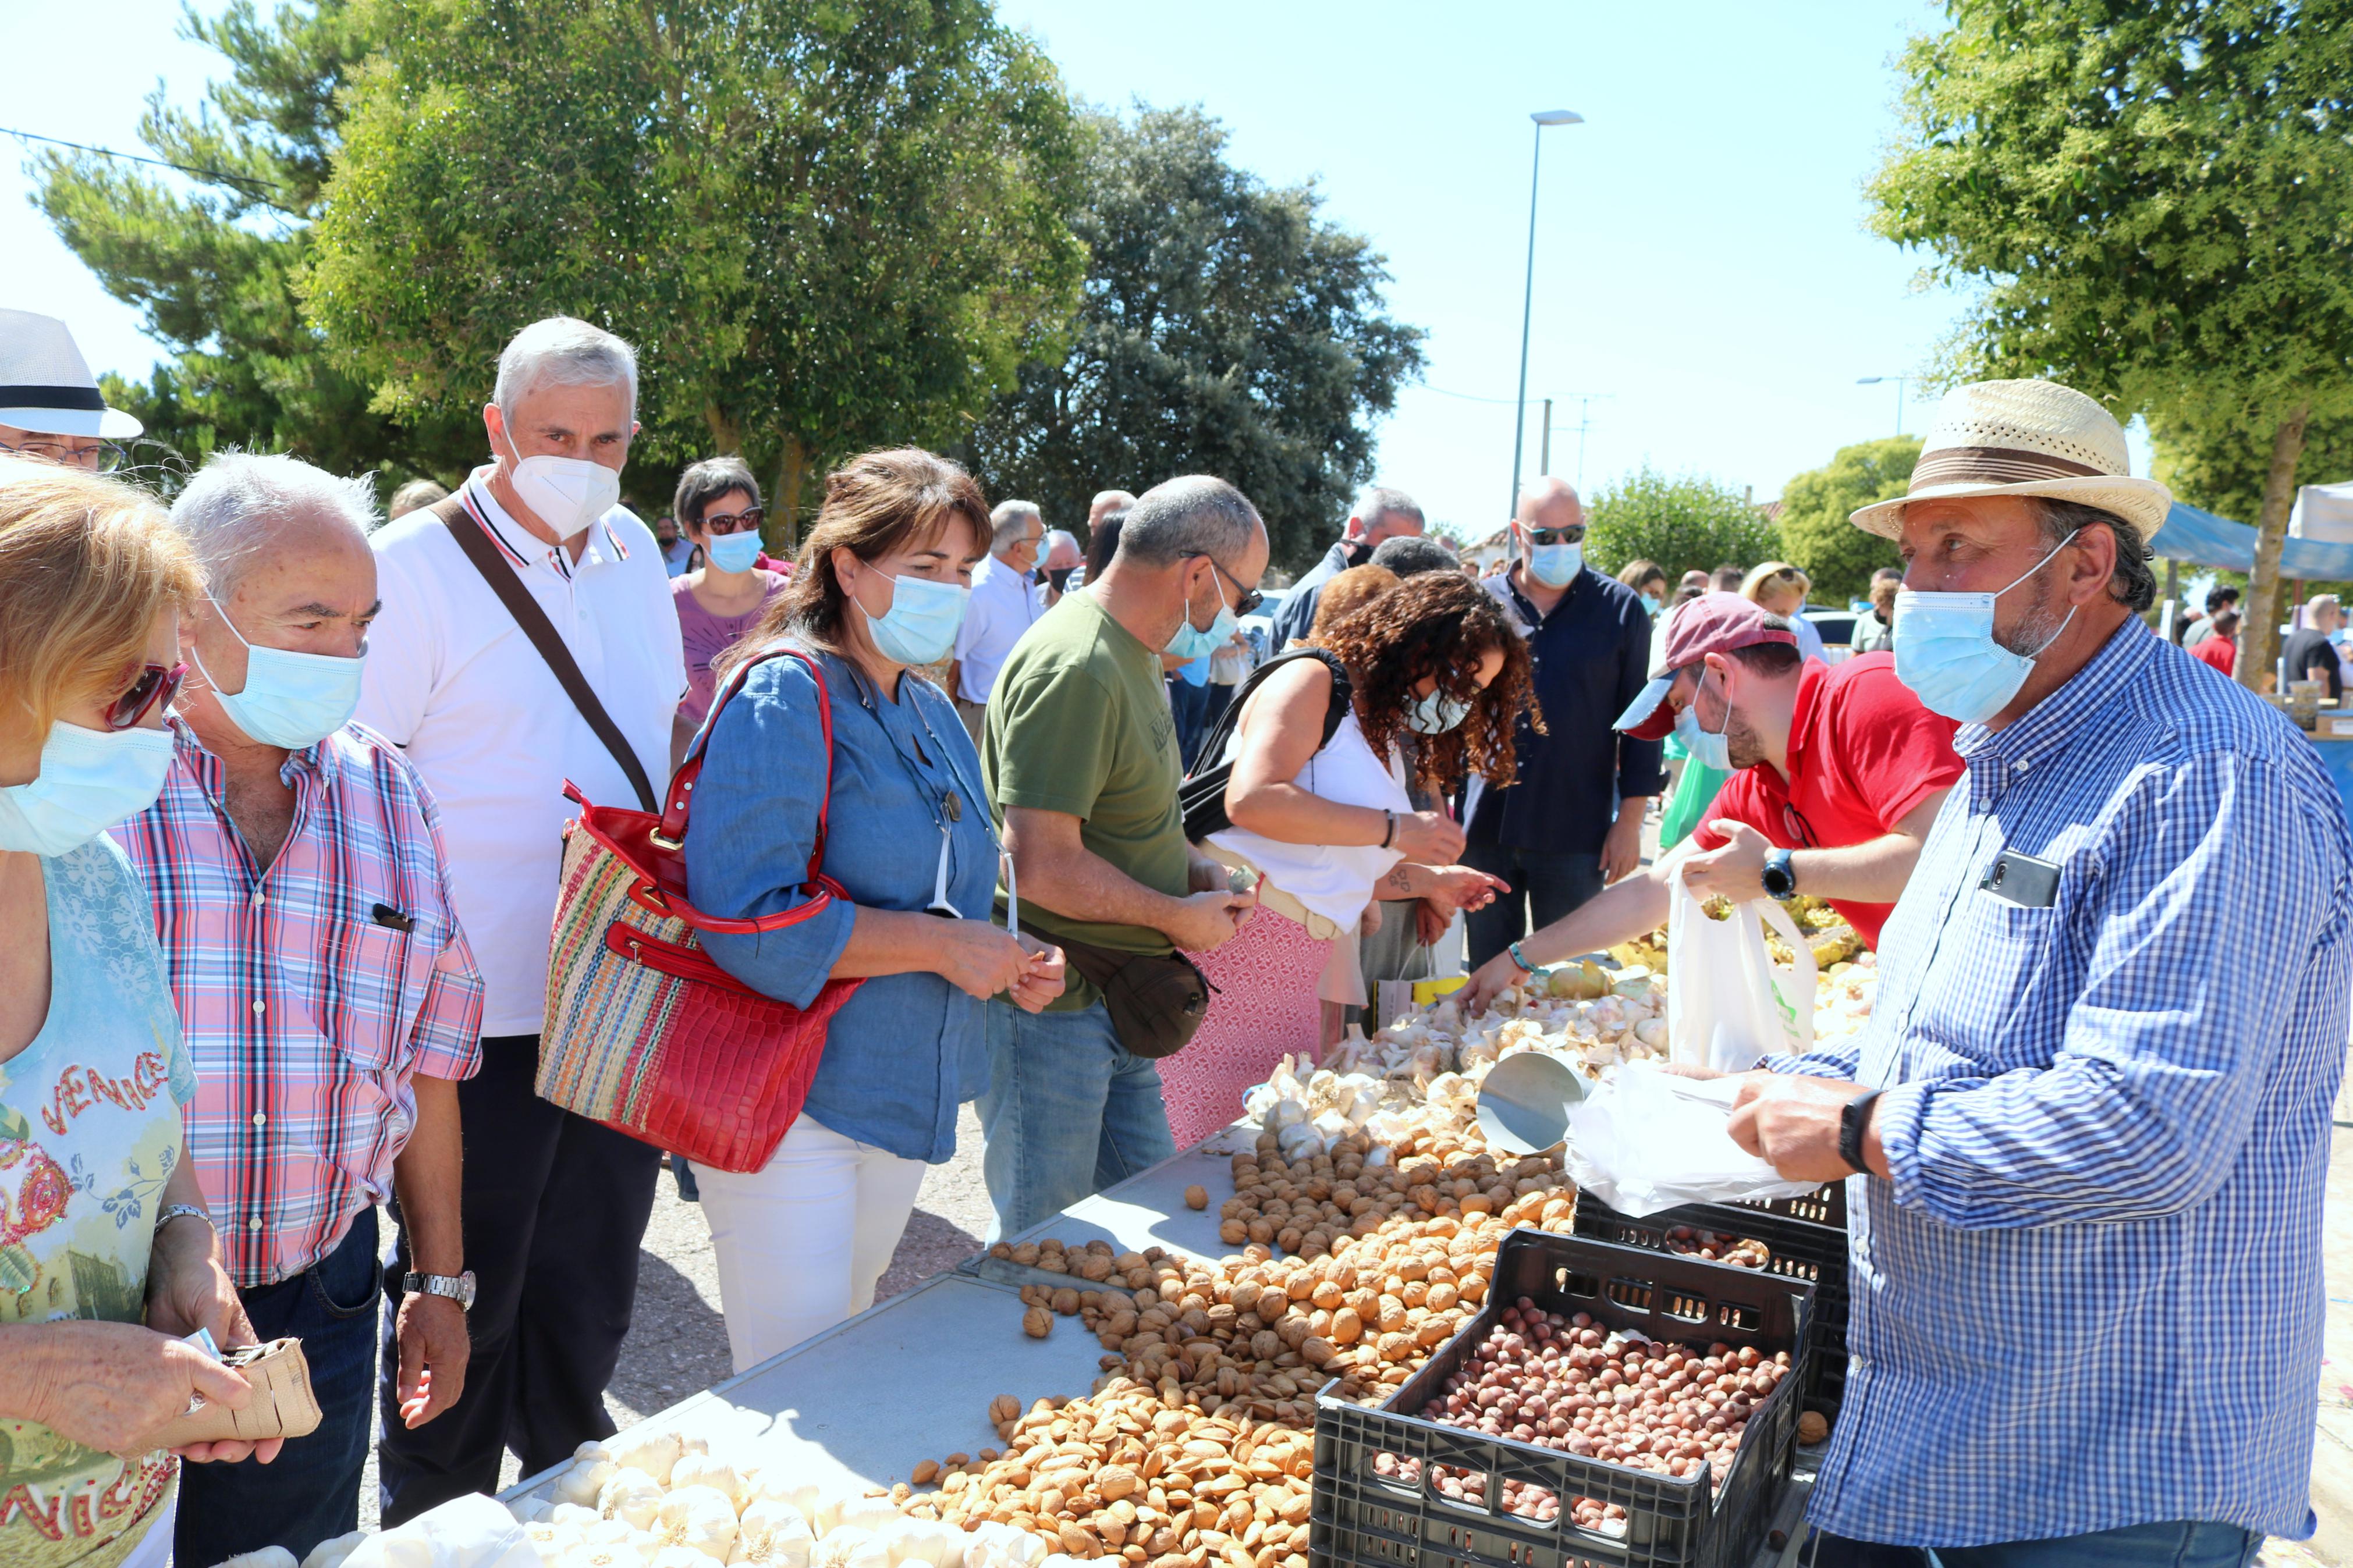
644 1032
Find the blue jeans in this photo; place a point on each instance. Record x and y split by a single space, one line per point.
1069 1112
310 1492
2181 1543
1544 889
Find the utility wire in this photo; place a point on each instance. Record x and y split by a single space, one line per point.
1466 397
222 175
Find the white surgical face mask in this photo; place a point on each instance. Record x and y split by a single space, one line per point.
565 493
90 780
1945 651
291 699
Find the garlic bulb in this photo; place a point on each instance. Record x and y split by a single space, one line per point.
708 1470
851 1546
702 1518
583 1479
609 1532
864 1513
609 1554
995 1545
632 1495
926 1542
574 1513
678 1557
526 1510
655 1453
773 1533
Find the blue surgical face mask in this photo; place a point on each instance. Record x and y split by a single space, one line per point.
1554 564
1437 714
1649 603
921 625
733 551
1946 651
90 780
1709 749
1188 642
291 699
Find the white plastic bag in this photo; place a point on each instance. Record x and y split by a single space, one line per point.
1726 1005
1647 1140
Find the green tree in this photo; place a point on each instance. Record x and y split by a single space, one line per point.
211 268
828 224
1224 329
1816 505
1684 522
2155 204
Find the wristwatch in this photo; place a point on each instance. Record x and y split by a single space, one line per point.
1852 1123
458 1287
1779 877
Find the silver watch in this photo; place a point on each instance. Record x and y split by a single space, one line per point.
458 1287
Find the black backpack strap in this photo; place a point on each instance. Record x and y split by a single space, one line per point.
476 544
1212 750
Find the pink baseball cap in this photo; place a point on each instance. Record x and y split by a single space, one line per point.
1712 623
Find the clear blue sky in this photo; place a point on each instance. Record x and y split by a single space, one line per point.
1700 254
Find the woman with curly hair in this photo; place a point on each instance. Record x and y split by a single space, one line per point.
1322 825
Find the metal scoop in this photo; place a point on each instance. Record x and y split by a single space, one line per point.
1524 1101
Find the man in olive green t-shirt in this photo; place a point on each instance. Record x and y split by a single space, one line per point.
1080 755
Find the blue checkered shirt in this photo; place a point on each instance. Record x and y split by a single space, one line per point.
2091 1295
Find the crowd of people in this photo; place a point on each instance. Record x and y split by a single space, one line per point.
1063 830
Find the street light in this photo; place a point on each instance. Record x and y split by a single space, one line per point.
1528 299
1899 381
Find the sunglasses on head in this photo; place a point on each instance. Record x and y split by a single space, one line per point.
1541 536
1250 597
154 685
748 520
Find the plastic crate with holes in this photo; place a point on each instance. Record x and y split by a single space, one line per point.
1824 1205
1749 1237
1398 1487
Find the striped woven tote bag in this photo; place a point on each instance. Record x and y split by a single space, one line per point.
645 1033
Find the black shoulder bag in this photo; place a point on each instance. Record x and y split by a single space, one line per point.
1202 797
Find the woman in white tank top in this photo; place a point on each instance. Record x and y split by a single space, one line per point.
1322 825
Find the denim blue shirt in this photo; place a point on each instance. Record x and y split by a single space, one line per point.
906 1049
2091 1295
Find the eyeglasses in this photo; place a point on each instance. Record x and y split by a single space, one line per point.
1800 831
1250 597
748 520
155 685
1557 535
94 456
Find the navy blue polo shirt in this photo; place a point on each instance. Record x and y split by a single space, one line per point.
1591 655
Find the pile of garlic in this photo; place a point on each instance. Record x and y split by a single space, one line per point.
1310 1116
1844 995
667 1499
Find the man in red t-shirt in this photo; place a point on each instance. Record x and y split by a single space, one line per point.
1838 774
2220 649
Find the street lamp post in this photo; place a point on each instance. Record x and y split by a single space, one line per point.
1899 381
1528 298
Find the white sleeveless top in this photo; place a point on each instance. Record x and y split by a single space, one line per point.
1336 881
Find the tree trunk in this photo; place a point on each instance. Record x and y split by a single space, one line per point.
784 529
726 436
2259 643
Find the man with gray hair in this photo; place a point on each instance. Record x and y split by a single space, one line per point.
1080 757
1380 513
1062 558
2310 652
330 1001
1005 602
529 639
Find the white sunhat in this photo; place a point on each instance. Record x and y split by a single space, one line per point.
46 386
2025 438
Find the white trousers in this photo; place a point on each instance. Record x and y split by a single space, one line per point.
803 1240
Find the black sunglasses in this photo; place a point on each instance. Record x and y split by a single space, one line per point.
1557 535
155 684
748 520
1250 597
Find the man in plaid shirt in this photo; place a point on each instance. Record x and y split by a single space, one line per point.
2088 1124
330 1002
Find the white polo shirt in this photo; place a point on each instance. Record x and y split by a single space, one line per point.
454 681
1003 605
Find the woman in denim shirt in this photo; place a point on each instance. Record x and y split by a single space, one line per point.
881 586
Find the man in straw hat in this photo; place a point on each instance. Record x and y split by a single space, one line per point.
49 403
2086 1304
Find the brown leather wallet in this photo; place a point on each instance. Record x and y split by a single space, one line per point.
283 1405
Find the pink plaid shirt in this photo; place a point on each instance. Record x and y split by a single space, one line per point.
312 993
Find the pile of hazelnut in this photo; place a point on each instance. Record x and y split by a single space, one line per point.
1572 1385
1739 1251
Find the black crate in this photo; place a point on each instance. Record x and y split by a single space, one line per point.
1363 1517
1824 1205
1813 1254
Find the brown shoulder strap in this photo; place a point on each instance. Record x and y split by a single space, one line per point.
474 539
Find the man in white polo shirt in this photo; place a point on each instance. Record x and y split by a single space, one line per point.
1005 602
531 565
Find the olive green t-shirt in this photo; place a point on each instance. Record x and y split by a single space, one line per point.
1078 722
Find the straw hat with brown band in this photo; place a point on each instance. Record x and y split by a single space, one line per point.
2025 438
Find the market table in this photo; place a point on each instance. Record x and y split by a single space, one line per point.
909 1379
